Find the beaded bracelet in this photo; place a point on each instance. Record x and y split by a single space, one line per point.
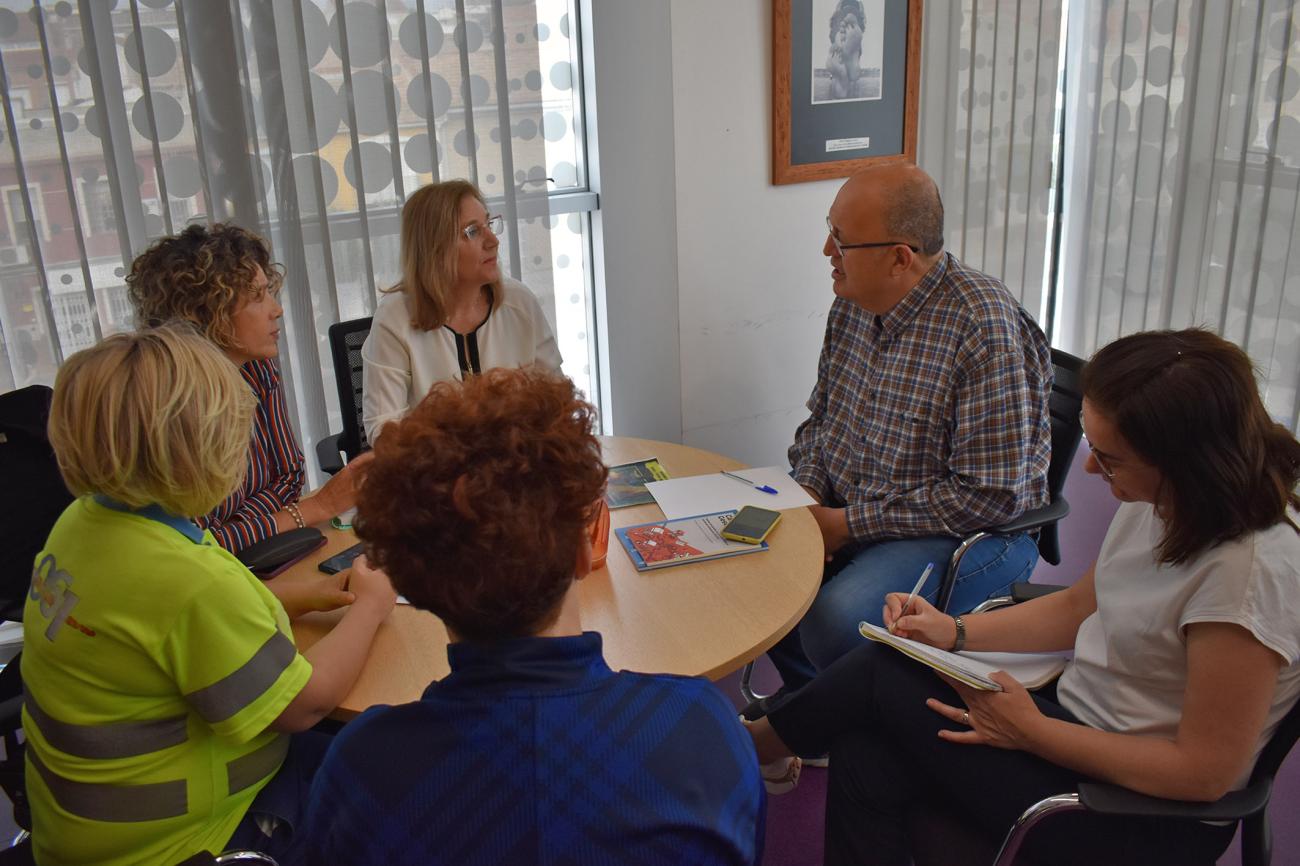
292 508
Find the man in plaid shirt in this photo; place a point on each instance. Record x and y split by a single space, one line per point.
929 417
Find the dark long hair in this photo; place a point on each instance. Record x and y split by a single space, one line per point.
1187 403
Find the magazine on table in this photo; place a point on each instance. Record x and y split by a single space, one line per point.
627 482
676 542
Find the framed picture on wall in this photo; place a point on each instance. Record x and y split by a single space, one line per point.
845 85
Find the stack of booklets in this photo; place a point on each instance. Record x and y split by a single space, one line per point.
627 482
1031 670
675 542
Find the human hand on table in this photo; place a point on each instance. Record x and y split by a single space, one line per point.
326 592
1004 720
834 524
372 588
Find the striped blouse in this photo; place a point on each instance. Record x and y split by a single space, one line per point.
275 467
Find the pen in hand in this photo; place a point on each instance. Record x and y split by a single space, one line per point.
929 567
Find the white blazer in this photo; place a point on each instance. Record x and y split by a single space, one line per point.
401 363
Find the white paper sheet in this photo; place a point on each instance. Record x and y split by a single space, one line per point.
706 494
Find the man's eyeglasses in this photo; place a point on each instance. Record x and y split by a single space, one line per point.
1106 471
494 224
840 248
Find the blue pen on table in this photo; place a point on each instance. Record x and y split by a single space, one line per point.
929 567
760 487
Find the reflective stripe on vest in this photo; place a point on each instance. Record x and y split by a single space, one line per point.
111 740
227 696
256 765
115 803
99 801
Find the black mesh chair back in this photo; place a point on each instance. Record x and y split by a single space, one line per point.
1063 406
345 348
27 464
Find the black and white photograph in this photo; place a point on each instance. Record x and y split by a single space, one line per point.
847 44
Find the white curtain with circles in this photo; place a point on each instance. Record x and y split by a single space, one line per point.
309 121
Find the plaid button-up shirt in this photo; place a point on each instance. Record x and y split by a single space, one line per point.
931 419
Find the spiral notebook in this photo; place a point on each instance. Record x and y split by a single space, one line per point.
1031 670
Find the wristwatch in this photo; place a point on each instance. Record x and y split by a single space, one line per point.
961 634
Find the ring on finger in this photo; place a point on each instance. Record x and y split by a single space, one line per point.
965 718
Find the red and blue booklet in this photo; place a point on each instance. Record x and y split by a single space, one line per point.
676 542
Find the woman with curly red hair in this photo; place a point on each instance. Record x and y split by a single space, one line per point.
478 505
221 279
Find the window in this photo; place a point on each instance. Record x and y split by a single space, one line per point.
331 115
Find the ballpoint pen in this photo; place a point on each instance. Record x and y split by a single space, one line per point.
929 567
761 487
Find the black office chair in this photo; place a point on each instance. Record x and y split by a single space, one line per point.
1249 805
27 464
345 349
1063 408
1064 405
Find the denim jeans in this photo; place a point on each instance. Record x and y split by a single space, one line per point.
856 581
283 800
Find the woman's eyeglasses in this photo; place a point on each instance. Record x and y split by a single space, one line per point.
1106 471
494 224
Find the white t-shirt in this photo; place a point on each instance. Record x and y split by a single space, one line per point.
401 363
1129 671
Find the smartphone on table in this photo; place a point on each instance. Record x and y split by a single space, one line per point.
751 524
342 559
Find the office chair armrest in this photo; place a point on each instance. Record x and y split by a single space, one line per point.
1114 800
328 454
1025 591
1020 592
11 713
1036 518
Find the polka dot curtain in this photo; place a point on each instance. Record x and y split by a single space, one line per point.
1126 165
988 123
1181 179
309 121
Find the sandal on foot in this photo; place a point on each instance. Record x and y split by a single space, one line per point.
781 775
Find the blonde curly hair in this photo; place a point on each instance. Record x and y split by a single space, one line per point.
199 276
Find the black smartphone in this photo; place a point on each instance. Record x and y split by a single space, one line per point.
342 559
751 525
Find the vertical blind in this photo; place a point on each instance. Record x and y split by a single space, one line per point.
988 132
309 121
1182 204
1178 166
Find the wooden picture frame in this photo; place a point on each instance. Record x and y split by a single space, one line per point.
847 106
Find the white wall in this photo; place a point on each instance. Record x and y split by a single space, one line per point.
749 285
754 287
629 99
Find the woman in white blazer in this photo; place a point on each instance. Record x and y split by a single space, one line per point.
453 314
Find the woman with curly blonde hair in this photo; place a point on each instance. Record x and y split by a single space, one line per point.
221 279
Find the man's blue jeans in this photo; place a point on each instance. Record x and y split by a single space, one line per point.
856 581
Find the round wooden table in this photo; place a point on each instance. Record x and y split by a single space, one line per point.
700 619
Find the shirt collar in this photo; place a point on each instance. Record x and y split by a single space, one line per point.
183 525
260 376
528 664
905 310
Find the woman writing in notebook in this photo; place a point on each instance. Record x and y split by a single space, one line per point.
453 314
1186 639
